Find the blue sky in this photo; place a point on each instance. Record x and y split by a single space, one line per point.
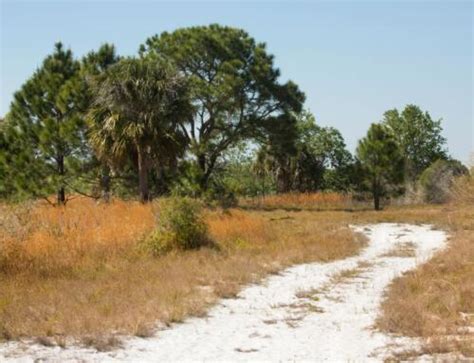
353 59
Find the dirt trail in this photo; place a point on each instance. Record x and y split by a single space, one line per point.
311 312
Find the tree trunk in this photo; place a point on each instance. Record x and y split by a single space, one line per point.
61 196
283 177
376 201
376 194
61 190
204 177
105 183
143 175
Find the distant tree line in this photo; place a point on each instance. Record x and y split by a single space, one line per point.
201 112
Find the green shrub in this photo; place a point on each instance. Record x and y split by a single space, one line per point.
181 226
436 181
219 195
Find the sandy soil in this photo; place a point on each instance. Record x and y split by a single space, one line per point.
310 312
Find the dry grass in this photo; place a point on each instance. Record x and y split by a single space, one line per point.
341 277
311 294
64 241
428 302
344 276
434 300
405 249
306 201
77 271
463 190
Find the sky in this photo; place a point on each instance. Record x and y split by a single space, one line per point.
353 59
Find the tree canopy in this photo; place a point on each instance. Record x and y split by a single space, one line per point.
419 137
44 129
199 111
138 108
234 88
310 159
381 162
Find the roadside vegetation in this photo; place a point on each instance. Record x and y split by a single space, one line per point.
82 270
436 301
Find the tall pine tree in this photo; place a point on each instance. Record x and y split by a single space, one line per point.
44 134
381 162
234 88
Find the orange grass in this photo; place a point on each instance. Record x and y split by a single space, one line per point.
55 240
308 201
239 227
78 271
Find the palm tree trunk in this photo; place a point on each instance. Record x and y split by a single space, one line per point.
105 183
143 175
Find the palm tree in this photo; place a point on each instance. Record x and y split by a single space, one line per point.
139 106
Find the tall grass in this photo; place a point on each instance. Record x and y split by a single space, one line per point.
240 228
307 201
436 301
39 239
80 270
77 270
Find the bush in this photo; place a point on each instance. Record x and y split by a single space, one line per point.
436 181
462 191
219 195
181 226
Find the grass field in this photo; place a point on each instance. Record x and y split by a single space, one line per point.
79 270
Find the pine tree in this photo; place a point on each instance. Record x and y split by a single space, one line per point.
381 162
44 134
235 89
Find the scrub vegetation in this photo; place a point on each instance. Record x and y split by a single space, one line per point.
136 191
81 270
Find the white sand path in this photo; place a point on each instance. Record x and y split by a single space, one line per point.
302 314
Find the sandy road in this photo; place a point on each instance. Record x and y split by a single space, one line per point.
310 312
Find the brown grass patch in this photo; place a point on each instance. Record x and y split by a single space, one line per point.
405 249
76 271
311 294
306 201
344 275
463 190
270 321
82 236
433 300
428 302
340 277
